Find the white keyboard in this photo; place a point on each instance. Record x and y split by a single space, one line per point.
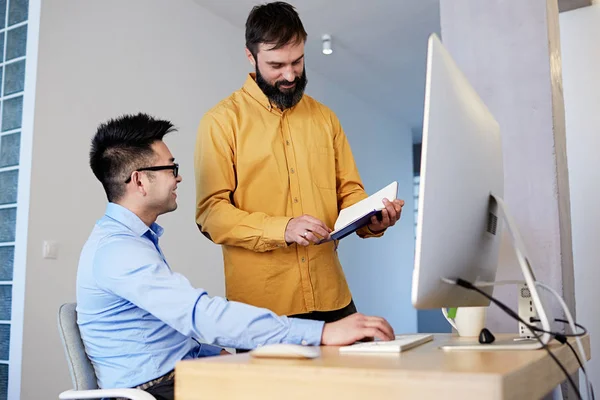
400 344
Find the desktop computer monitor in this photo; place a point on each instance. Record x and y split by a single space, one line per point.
458 227
461 210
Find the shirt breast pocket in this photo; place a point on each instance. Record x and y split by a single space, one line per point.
322 167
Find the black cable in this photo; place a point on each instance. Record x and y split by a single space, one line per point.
582 368
562 338
506 309
582 330
576 355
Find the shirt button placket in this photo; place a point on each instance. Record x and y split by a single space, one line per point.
297 211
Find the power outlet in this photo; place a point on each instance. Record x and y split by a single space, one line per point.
50 249
526 311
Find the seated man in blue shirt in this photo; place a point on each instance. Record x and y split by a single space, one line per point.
137 317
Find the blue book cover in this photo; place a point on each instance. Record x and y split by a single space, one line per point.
355 225
358 215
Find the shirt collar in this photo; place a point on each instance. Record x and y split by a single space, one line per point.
131 220
251 87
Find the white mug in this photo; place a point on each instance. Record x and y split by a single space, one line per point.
469 321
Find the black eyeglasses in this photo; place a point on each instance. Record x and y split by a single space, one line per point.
174 167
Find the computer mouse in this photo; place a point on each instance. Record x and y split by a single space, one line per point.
486 337
284 350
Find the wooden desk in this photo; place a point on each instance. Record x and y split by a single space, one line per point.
425 372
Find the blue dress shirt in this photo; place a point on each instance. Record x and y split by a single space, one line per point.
138 318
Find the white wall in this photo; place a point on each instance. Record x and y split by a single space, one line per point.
99 59
580 34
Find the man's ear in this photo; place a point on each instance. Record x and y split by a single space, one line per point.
250 57
136 179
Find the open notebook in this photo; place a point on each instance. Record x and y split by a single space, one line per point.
358 215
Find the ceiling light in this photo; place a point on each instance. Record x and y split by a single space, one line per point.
326 44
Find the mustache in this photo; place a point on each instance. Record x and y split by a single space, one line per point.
286 82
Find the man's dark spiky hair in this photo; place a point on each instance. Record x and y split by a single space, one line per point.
122 145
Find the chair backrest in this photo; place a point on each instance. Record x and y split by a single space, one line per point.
80 367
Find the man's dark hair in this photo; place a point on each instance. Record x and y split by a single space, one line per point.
121 146
276 24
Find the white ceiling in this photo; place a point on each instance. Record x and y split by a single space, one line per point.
379 47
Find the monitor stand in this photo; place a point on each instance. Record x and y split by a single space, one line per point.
512 344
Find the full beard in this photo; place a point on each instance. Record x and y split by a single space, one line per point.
283 99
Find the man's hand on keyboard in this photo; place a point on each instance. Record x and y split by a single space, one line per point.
356 327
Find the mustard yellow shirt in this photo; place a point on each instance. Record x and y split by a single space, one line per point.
256 168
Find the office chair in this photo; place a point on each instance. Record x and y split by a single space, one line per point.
85 385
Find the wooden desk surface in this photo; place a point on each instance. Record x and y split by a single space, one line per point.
421 373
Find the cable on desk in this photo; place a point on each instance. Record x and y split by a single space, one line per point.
506 309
